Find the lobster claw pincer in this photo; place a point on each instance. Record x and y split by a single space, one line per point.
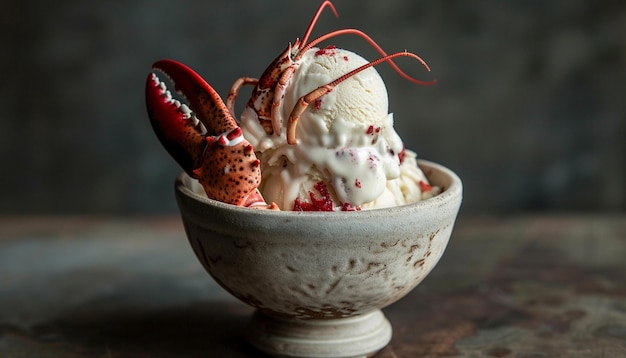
203 137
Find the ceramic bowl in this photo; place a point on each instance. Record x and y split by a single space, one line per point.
319 280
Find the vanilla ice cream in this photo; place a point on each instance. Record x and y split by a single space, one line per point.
348 155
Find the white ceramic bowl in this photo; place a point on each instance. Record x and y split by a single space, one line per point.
319 279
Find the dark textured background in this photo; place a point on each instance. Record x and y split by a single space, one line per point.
529 108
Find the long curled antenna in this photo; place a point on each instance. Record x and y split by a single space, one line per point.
309 29
304 101
373 44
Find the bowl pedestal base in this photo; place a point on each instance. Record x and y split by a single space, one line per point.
352 337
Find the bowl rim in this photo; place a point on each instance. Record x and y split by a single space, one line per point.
449 193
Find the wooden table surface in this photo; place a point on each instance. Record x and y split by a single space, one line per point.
529 286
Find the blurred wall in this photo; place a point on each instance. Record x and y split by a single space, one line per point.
529 108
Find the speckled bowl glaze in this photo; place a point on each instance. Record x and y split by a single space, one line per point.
319 279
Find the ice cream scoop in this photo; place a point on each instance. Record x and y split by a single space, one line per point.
348 155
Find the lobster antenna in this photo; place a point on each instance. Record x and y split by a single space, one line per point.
315 18
373 43
305 100
376 62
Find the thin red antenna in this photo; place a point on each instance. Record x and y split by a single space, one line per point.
304 101
373 43
374 63
314 20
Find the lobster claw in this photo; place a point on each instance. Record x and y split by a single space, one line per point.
179 133
203 137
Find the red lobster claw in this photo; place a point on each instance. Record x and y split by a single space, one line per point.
205 140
